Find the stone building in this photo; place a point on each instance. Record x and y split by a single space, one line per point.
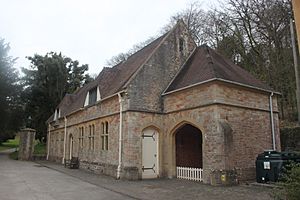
171 104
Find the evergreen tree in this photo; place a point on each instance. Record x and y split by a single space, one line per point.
48 80
10 105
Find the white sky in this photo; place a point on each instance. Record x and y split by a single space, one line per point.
90 31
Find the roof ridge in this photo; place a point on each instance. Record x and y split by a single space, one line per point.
138 51
163 38
210 60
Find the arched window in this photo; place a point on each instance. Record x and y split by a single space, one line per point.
81 136
91 137
104 135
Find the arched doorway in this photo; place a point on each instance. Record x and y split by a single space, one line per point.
188 150
71 144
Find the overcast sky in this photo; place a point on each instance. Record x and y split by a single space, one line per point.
90 31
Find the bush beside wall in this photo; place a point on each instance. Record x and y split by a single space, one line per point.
290 139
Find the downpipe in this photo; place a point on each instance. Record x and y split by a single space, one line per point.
65 142
120 136
272 122
48 141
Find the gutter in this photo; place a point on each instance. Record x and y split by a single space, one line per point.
48 142
272 122
120 137
82 108
65 136
221 80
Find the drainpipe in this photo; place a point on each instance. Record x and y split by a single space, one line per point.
272 122
120 136
48 141
65 136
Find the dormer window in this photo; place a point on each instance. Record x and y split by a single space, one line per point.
56 114
98 94
92 96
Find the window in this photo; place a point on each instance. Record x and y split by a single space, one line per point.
81 136
92 137
104 135
93 96
62 143
181 44
56 114
57 145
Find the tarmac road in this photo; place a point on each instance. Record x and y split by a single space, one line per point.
20 180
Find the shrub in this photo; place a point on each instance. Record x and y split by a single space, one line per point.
289 184
290 139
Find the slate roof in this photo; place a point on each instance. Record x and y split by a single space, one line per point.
206 64
110 80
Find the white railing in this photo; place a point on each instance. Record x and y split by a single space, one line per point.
193 174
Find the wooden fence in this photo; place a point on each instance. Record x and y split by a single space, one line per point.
193 174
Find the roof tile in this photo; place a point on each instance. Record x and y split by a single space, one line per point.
206 64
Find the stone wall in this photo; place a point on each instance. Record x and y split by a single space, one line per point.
249 135
26 144
236 127
154 76
96 159
234 121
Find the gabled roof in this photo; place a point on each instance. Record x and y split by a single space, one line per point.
110 80
205 65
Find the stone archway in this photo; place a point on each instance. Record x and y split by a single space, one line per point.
188 141
188 152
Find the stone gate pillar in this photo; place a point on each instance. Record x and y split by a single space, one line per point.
26 145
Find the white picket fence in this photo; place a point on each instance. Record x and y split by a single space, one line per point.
193 174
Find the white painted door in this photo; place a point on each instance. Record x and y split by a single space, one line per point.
150 153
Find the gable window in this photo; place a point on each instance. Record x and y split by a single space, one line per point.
92 137
181 44
81 136
104 135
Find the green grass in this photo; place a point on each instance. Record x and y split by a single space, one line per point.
40 149
9 144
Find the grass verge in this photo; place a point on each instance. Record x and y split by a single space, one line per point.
9 144
40 149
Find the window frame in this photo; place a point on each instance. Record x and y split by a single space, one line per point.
91 137
81 137
104 136
92 96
